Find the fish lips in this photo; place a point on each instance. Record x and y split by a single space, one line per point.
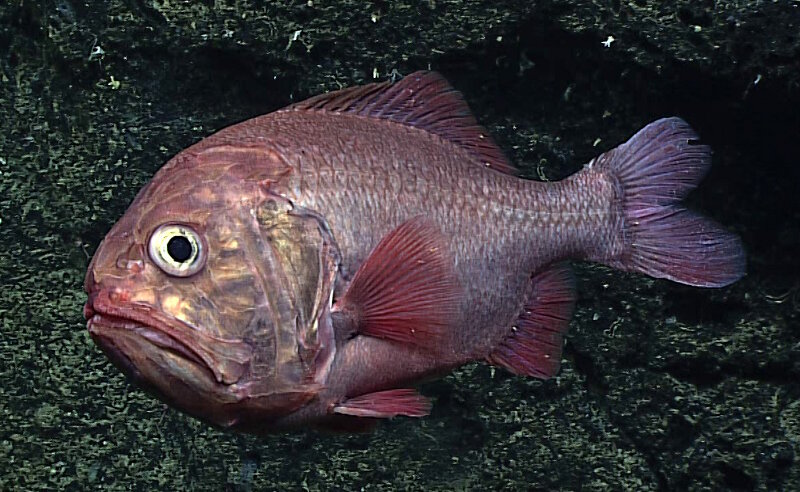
123 332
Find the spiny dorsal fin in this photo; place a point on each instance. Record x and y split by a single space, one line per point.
424 100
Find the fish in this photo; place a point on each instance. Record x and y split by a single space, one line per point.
307 268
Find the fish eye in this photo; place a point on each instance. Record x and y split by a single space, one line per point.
177 249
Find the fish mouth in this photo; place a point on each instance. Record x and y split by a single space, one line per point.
109 322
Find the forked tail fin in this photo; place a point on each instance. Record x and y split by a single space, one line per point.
655 169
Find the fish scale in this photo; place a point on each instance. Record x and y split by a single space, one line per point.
354 244
520 225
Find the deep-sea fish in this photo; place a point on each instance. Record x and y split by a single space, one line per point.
306 267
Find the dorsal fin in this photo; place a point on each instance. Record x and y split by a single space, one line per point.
424 100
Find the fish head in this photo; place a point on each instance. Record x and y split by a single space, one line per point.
213 291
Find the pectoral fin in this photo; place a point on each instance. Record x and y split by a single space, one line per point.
406 290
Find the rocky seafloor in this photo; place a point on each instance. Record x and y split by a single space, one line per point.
663 387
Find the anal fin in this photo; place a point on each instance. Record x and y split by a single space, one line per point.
533 348
386 404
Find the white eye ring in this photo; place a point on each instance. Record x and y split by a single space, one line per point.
177 249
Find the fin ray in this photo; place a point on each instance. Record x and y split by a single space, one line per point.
423 100
406 290
656 169
386 404
534 346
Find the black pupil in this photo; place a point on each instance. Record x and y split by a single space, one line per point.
179 248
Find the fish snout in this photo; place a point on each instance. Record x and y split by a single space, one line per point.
88 308
132 259
114 258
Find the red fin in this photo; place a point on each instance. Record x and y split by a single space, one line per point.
386 404
406 290
424 100
656 169
534 347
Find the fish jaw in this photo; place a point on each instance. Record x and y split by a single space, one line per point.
178 363
184 373
226 363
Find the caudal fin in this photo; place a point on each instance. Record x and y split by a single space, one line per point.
656 169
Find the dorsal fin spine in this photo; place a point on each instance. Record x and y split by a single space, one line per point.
422 100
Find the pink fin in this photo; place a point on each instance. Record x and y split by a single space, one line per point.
386 404
406 290
424 100
656 169
534 346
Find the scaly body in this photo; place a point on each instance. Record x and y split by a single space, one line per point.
373 174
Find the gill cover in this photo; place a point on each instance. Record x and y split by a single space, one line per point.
298 270
292 339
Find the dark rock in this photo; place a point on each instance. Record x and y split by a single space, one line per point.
663 387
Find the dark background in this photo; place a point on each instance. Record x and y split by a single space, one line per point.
663 387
